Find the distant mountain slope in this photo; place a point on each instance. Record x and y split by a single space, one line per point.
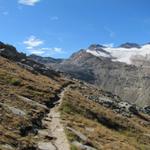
106 68
44 60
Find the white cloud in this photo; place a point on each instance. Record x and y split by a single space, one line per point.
53 49
33 42
28 2
37 52
56 49
54 18
34 46
45 51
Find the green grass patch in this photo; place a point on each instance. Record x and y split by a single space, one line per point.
15 81
73 147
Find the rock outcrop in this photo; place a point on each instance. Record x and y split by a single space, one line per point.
130 82
10 52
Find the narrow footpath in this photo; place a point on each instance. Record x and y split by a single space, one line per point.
53 137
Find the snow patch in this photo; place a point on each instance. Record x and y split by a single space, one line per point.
123 54
98 53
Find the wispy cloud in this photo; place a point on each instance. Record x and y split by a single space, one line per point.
56 49
46 51
54 18
37 52
110 32
33 42
28 2
33 46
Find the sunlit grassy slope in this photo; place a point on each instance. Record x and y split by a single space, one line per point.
104 129
26 97
24 101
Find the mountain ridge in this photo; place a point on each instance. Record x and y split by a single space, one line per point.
130 81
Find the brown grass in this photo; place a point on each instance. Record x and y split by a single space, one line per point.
117 133
15 81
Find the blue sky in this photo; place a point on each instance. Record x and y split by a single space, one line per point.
58 28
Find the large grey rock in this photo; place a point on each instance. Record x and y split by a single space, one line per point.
7 147
14 110
17 111
46 146
122 107
82 146
31 102
79 134
146 110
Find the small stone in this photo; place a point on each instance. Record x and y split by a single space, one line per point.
46 146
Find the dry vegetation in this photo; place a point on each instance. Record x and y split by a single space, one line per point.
105 129
24 101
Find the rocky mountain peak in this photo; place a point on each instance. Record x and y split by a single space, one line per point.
1 43
44 60
2 46
98 50
9 51
96 46
130 45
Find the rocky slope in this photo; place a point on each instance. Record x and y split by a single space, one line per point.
45 60
124 71
93 121
27 92
90 117
25 98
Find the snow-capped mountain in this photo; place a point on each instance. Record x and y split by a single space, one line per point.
123 70
129 53
99 51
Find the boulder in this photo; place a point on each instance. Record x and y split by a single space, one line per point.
146 110
82 146
46 146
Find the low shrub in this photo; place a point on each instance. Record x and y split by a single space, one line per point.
15 81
